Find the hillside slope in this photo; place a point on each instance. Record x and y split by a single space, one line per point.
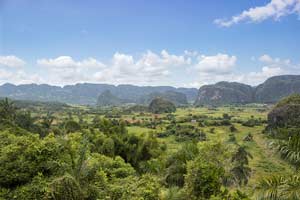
86 93
272 90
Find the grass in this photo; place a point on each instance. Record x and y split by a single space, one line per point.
265 161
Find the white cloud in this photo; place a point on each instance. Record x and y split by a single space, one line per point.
270 66
266 58
189 69
150 67
11 61
254 78
65 70
18 77
195 84
191 53
274 9
216 64
63 62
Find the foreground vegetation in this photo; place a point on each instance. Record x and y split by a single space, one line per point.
129 153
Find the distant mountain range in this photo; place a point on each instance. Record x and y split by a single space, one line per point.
272 90
87 93
177 98
220 93
106 98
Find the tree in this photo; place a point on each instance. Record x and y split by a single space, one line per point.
47 121
25 120
226 116
241 172
83 179
177 163
71 126
203 179
289 150
241 156
145 187
18 160
278 187
232 128
7 110
108 147
66 188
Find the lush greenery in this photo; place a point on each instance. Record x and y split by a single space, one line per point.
78 152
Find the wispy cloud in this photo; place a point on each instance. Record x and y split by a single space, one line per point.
274 9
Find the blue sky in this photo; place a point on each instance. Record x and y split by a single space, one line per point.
180 42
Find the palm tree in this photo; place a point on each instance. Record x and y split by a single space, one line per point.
47 121
270 188
283 187
241 172
241 156
7 109
279 188
290 150
76 184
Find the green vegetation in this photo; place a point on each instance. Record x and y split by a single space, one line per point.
286 113
160 105
177 98
108 99
125 153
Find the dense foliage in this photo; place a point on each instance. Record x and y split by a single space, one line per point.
285 113
130 153
284 127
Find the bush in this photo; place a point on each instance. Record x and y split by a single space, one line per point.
71 126
203 179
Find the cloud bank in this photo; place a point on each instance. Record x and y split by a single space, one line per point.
189 69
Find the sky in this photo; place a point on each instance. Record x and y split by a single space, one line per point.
181 43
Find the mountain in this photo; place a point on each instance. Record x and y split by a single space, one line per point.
277 87
86 93
177 98
106 98
285 113
272 90
225 93
161 105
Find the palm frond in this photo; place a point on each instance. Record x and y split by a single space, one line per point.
270 188
291 189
